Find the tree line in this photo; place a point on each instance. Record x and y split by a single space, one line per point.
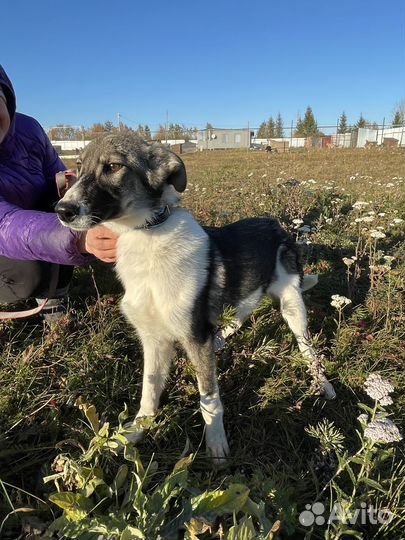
171 131
308 126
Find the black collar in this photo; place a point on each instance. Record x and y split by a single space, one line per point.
155 220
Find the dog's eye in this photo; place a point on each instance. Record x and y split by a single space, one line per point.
113 167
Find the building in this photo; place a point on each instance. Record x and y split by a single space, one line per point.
74 146
218 138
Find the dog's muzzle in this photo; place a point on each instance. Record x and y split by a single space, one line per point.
67 211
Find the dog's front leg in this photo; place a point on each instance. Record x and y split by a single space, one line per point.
204 362
158 354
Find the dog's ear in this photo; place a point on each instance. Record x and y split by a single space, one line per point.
166 167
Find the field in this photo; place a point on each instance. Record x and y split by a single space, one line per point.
352 204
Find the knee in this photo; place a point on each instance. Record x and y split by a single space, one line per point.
18 280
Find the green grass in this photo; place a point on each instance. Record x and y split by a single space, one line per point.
263 379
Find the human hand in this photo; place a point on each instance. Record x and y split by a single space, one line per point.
100 242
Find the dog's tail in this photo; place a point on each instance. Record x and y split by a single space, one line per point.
309 281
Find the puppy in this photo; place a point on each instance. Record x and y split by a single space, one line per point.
178 276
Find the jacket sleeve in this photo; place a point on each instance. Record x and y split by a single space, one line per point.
37 236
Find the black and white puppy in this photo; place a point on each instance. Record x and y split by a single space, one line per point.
178 276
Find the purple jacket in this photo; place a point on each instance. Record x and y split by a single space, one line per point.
28 164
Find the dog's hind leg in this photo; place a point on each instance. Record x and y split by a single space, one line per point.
294 312
287 288
204 362
158 355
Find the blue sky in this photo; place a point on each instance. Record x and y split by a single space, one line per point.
225 62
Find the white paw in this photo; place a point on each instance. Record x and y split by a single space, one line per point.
135 434
217 445
137 428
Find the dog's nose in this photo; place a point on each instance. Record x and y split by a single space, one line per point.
67 211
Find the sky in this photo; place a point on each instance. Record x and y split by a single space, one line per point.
230 63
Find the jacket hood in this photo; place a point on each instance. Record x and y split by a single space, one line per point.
10 96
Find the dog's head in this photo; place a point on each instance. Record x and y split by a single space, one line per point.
120 176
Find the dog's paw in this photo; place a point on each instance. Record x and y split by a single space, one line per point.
326 390
219 342
134 434
136 430
217 446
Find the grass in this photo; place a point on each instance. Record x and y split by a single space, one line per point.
263 379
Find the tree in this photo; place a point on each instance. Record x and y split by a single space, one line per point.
63 133
310 127
361 122
161 133
398 119
271 126
175 131
279 131
299 128
141 131
147 132
108 126
262 131
343 127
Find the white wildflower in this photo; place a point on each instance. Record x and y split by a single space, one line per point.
348 262
383 430
365 219
297 222
388 259
381 214
339 302
398 220
377 388
250 174
360 204
363 418
387 400
377 234
390 184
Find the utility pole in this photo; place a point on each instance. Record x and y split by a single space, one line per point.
166 125
119 121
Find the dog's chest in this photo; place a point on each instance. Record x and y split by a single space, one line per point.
163 272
